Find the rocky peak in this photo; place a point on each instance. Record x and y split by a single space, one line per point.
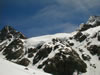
11 43
93 21
8 29
8 32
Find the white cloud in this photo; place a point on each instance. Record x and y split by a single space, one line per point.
55 15
63 9
81 3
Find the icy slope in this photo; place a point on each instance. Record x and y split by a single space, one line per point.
9 68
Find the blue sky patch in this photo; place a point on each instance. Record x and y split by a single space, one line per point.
41 17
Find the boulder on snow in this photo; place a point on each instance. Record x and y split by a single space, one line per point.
86 57
94 49
24 62
30 55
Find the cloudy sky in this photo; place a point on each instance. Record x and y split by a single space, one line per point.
41 17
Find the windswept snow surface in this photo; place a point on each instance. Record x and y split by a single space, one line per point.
9 68
34 41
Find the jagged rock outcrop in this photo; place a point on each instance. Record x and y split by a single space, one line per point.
8 32
11 43
93 21
80 37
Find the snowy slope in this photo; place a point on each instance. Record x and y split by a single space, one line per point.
94 63
9 68
76 53
34 41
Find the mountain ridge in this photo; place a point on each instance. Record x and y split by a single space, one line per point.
60 54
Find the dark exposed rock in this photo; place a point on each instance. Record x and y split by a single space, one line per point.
80 37
71 44
95 20
81 50
94 36
93 65
70 38
97 23
98 52
54 40
24 62
85 27
14 55
7 29
99 58
62 65
86 57
12 51
31 50
7 32
56 46
94 49
39 46
88 43
98 36
26 69
30 55
19 35
41 54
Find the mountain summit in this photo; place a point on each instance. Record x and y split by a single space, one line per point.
93 21
76 53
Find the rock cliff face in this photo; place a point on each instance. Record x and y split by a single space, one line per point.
60 54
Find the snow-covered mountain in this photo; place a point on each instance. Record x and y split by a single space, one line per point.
76 53
9 68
